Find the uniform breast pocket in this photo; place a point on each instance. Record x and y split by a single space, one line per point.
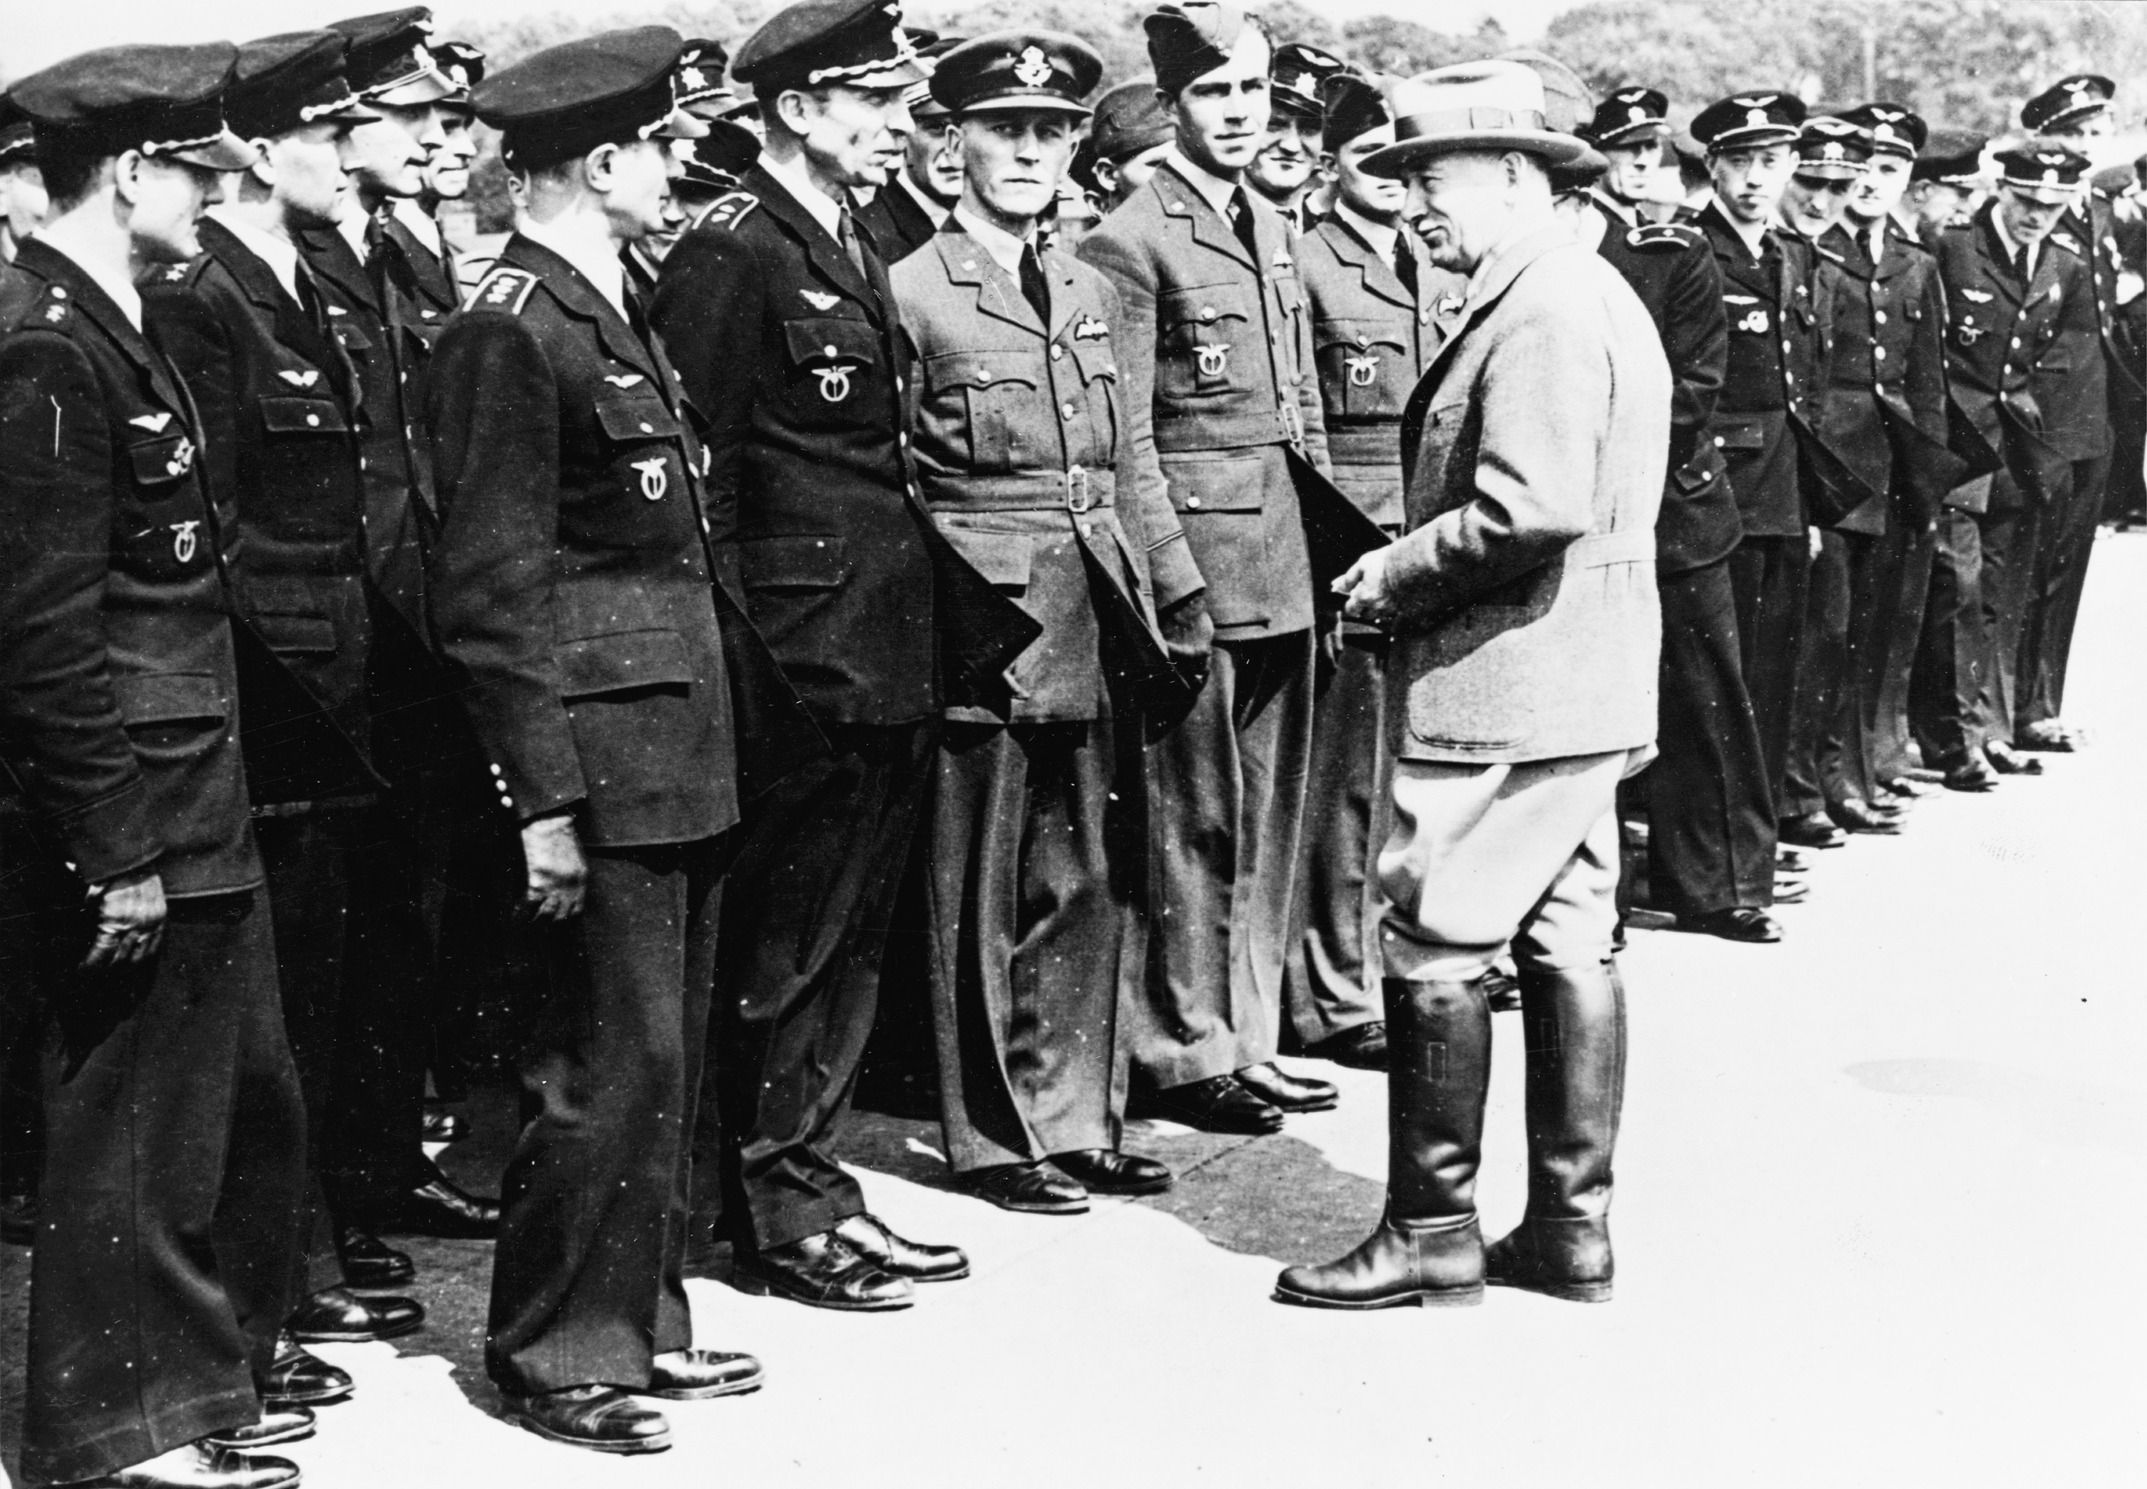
1099 380
833 373
643 439
1748 314
302 417
1207 338
996 396
1360 366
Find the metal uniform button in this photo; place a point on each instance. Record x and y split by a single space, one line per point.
313 421
506 801
1058 352
1066 410
900 386
2016 343
1192 501
1879 316
497 771
1719 442
829 351
1207 312
648 428
1879 353
59 292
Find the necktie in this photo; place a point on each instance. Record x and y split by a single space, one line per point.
309 299
1405 262
2021 265
1241 222
1033 288
847 236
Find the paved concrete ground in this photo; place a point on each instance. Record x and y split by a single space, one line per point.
1878 1219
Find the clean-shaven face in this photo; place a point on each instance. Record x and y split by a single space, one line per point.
1879 190
933 163
1461 203
1012 161
1635 169
854 135
447 168
1222 115
1749 183
1378 198
1812 204
387 155
2026 219
168 198
635 181
1283 164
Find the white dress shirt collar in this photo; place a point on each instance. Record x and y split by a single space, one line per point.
593 254
1002 245
1213 189
2012 248
1752 234
794 179
280 254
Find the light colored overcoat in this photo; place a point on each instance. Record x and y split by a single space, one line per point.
1536 446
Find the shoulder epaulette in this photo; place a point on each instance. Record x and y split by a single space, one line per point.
1664 236
505 289
730 209
48 312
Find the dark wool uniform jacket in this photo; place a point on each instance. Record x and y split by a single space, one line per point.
1019 441
1777 341
2025 367
1672 268
1883 407
118 669
1218 380
576 575
2112 234
899 226
1371 341
278 401
790 354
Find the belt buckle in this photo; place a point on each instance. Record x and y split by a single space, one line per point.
1077 493
1293 421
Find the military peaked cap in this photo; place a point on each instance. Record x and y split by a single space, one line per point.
1018 70
1893 129
1294 76
2068 101
391 58
1629 116
286 82
1952 157
1830 148
2044 173
165 101
607 89
858 43
1746 121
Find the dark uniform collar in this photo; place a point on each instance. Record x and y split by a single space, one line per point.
579 298
824 252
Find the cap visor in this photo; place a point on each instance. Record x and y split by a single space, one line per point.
1828 172
354 112
1752 139
1025 104
225 153
1397 160
2036 191
1626 134
412 92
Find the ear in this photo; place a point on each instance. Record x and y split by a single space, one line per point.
127 171
794 109
599 167
263 168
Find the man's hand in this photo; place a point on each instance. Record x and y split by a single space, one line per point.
1365 585
1188 635
130 919
557 871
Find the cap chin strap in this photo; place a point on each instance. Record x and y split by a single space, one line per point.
904 52
307 113
173 147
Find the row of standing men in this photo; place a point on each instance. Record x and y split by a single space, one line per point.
937 562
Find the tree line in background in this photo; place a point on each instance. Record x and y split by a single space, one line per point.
1965 63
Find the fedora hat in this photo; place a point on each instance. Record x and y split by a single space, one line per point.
1485 106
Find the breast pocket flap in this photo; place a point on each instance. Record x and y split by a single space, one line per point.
302 416
169 697
629 419
796 562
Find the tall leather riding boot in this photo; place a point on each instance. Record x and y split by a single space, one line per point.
1427 1250
1575 1025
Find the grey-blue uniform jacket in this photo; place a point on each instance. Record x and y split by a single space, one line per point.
1218 382
1018 442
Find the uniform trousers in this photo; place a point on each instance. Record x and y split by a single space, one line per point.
1914 550
174 1171
1227 811
1832 756
2010 532
1332 976
1952 650
2072 508
820 856
1027 928
1485 856
1710 813
587 1279
1769 578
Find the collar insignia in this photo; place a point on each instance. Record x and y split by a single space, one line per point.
154 423
304 379
819 301
622 381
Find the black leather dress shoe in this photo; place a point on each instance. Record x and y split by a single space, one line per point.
603 1419
336 1315
824 1272
1789 861
2004 760
201 1466
277 1424
1739 923
1812 830
1791 891
444 1127
1856 816
1972 774
369 1262
438 1208
1026 1188
700 1374
868 1236
1286 1092
301 1378
1217 1104
1360 1047
1108 1171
